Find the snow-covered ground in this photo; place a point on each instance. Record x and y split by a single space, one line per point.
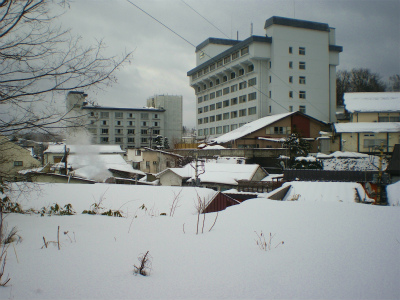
331 249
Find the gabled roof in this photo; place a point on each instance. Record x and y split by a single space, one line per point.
249 128
367 127
163 152
216 172
372 102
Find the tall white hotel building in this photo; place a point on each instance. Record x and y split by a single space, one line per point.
291 68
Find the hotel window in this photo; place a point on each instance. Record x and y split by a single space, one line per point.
104 131
233 75
242 85
219 117
205 120
225 129
219 93
205 109
244 51
131 131
224 78
219 105
219 129
250 68
234 101
104 140
156 131
302 94
199 73
270 94
290 79
131 140
291 94
200 132
234 126
200 121
143 131
119 131
198 89
144 123
252 110
270 109
212 95
302 79
235 55
270 79
212 107
144 140
205 70
118 139
302 65
103 122
242 112
131 115
199 99
119 115
252 96
206 131
205 97
234 114
234 88
200 110
131 123
118 123
226 103
241 72
302 109
204 87
104 114
219 63
290 108
156 124
211 84
227 59
252 81
226 116
217 81
302 51
290 65
242 99
212 119
144 116
212 67
290 50
212 130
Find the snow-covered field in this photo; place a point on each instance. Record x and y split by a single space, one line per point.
331 249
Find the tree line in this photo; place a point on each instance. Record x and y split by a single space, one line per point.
363 80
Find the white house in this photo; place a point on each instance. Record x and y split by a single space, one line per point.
291 68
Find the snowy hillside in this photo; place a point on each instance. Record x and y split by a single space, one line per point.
330 249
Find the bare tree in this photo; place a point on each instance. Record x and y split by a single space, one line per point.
40 62
394 82
357 80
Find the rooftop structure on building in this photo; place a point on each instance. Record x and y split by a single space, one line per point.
291 68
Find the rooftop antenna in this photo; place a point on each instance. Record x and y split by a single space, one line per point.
251 28
237 35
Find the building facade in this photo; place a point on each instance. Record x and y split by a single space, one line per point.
291 68
127 127
173 113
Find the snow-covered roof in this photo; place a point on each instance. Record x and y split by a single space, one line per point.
367 127
217 173
249 128
372 102
89 149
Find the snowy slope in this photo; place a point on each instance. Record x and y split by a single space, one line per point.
331 250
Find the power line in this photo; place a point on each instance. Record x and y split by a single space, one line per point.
161 23
205 19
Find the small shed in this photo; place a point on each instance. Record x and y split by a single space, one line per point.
219 202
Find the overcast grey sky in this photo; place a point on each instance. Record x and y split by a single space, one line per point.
368 30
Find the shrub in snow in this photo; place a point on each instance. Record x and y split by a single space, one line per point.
145 264
263 244
56 209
